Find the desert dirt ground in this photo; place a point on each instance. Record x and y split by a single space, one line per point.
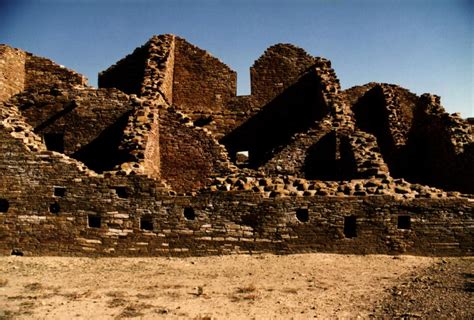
303 286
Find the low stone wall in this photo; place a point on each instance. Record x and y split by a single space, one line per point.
221 223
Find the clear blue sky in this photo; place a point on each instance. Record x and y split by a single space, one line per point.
423 45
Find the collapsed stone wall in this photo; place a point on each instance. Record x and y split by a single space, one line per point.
293 158
269 130
161 141
69 212
12 72
418 140
387 112
53 204
84 123
440 148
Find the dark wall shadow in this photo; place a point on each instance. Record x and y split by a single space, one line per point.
331 158
293 111
103 153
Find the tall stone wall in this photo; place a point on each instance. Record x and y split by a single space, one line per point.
141 135
278 68
12 72
159 69
386 111
201 83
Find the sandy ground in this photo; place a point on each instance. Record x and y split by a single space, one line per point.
307 286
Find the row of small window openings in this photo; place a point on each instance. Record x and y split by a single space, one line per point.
146 222
61 192
350 222
121 192
350 225
302 214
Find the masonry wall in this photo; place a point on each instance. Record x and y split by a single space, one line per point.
189 155
201 83
114 215
43 73
276 70
294 111
12 72
440 149
128 73
86 124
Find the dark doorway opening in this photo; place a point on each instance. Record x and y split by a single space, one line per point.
17 252
146 223
331 158
203 121
302 214
93 221
404 222
189 213
54 208
350 227
122 192
54 141
4 205
59 191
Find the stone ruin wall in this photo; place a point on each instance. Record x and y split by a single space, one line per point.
41 72
128 73
276 70
53 204
171 148
191 157
12 72
62 210
81 115
201 83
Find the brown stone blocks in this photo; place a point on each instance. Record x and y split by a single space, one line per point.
12 72
201 82
135 169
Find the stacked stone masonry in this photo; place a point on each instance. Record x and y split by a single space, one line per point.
166 159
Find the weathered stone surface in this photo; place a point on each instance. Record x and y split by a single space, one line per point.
141 171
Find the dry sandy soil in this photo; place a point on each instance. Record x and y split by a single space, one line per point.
307 286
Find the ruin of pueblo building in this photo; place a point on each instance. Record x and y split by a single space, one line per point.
164 158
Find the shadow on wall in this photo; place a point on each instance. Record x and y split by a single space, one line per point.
428 157
103 153
331 158
372 117
295 110
127 74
